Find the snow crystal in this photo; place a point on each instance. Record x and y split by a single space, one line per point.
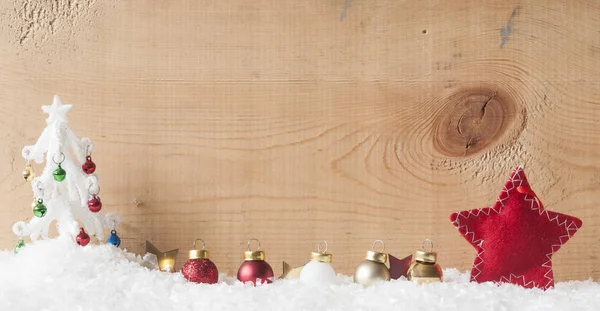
60 275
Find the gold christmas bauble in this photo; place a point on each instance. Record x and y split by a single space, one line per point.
373 269
425 269
421 273
369 272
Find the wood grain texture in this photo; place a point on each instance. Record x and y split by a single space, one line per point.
297 121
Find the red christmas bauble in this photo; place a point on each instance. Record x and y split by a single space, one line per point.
89 167
256 271
200 270
94 204
82 238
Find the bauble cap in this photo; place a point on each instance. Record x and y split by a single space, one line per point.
321 256
199 253
380 257
254 255
426 255
251 255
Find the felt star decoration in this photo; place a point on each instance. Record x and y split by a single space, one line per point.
399 267
57 111
516 238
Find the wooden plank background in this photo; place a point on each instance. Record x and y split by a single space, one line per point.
297 121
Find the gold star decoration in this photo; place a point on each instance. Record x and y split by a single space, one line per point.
290 272
166 260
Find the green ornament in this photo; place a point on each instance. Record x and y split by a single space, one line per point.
19 245
59 173
40 209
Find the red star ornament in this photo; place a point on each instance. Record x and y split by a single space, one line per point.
515 239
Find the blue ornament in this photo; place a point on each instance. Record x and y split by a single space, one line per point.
114 238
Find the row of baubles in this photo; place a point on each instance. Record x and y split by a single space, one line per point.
421 267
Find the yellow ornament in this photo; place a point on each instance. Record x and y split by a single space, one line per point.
28 173
425 269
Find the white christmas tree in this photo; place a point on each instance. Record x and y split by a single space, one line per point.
67 190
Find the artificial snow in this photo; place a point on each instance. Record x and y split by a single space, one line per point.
60 275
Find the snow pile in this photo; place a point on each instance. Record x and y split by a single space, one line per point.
60 275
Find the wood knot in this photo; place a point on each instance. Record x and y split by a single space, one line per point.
473 120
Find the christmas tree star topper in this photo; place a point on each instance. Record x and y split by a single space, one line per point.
57 112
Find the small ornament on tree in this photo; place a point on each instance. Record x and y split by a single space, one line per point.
89 167
28 174
82 238
61 196
19 246
516 238
94 203
114 220
59 173
319 269
114 238
255 269
199 268
425 269
39 209
373 269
